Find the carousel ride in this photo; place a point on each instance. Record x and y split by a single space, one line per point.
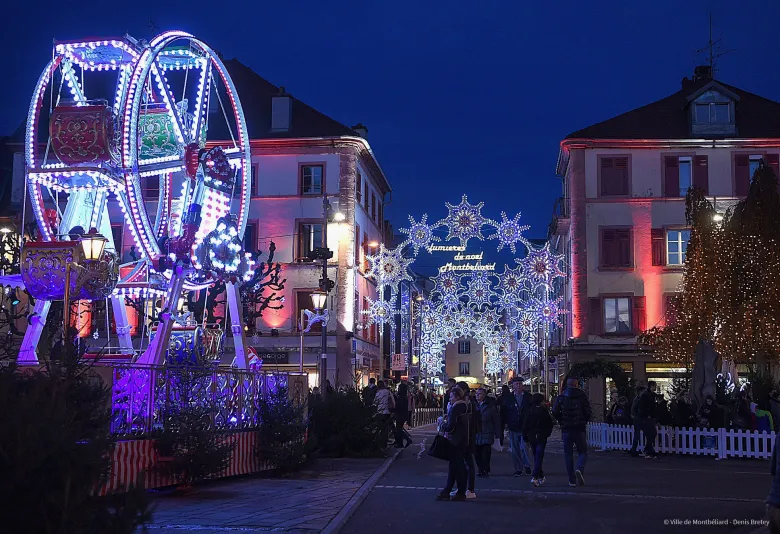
153 131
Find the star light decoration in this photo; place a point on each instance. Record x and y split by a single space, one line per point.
465 221
509 232
548 311
479 289
379 311
446 283
541 266
420 234
389 267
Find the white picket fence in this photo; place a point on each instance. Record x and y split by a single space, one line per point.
425 416
720 443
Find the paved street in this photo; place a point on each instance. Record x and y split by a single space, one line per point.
303 503
622 495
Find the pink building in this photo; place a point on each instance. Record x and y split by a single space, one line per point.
621 221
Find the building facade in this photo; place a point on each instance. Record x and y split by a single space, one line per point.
621 220
464 360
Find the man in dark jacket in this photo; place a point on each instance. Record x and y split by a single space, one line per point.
491 431
369 392
646 411
538 427
572 410
636 420
513 413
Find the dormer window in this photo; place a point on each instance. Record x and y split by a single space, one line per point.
712 111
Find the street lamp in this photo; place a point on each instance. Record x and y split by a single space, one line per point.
92 244
318 300
339 217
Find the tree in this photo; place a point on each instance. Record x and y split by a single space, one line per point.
253 292
281 436
731 283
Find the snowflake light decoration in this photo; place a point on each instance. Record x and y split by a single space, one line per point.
510 282
223 248
446 283
420 234
388 267
541 266
509 232
529 347
379 311
465 221
479 289
548 311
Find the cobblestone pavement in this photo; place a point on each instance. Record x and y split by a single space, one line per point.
303 503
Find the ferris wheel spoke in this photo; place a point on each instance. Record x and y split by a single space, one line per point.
202 100
170 103
167 165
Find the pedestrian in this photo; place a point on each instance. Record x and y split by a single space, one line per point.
646 412
369 392
572 410
455 427
622 413
773 499
490 433
385 406
475 427
401 416
513 412
412 406
636 420
537 428
445 401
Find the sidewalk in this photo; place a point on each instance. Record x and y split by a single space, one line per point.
305 502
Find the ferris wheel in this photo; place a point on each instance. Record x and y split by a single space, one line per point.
155 129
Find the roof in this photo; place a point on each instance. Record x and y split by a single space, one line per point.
756 117
256 95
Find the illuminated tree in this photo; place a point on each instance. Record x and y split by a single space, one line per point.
731 284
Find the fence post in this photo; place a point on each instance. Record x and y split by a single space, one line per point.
604 442
722 452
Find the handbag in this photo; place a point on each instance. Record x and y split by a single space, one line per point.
441 448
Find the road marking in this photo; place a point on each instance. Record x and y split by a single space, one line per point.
588 494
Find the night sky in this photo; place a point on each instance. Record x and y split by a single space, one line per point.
459 97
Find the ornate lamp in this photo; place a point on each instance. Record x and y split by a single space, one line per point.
318 299
93 244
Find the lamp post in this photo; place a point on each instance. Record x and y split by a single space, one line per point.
92 246
318 299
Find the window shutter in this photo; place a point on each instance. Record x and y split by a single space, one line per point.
701 174
595 319
608 248
671 176
357 246
640 316
741 175
607 176
773 162
621 176
658 246
624 247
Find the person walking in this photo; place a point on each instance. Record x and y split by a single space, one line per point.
513 412
401 416
491 431
537 428
475 427
385 406
369 392
636 420
646 412
455 428
572 410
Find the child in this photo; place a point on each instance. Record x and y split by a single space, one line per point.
537 428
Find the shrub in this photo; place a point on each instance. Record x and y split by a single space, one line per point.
282 432
343 426
55 453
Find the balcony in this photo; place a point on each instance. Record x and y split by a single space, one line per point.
560 219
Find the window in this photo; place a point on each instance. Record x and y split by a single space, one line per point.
616 248
713 113
614 176
463 369
309 238
381 214
676 246
250 237
357 245
311 179
358 188
464 347
303 302
365 195
255 178
373 206
683 172
685 176
151 187
365 253
617 315
753 163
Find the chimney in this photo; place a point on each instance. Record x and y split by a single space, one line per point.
702 72
361 130
281 111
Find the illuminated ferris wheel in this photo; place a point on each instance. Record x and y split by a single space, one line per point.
157 129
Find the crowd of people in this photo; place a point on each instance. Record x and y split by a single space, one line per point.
475 423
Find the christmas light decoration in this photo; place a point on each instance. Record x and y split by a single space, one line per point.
389 267
541 266
479 289
509 232
465 221
420 234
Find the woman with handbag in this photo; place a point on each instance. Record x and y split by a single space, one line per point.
456 428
